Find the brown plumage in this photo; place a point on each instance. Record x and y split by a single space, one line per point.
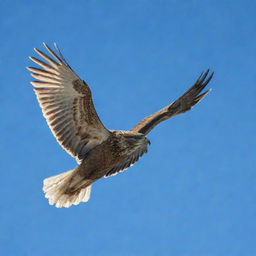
67 105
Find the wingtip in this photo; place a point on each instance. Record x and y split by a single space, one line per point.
56 46
212 72
201 96
209 78
46 45
58 50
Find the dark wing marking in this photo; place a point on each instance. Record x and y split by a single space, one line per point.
127 162
67 104
181 105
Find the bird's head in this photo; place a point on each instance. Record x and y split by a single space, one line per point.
137 138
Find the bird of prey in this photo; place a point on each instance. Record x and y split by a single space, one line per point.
66 102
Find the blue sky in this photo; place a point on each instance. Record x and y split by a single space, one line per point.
194 193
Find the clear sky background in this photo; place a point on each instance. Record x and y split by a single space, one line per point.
194 193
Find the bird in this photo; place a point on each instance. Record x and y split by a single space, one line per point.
67 104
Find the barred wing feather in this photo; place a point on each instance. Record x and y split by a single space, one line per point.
184 103
67 104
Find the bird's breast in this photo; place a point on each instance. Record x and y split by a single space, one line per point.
110 153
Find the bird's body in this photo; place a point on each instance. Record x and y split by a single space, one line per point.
67 104
118 152
115 154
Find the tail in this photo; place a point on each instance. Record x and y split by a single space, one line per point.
67 188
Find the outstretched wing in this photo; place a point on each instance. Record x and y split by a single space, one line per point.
67 105
181 105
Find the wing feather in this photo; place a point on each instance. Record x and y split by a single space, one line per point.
67 105
127 162
181 105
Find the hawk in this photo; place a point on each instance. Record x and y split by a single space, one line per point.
66 102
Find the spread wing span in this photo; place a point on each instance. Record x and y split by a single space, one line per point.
67 104
181 105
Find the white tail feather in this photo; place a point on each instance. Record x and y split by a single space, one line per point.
58 189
